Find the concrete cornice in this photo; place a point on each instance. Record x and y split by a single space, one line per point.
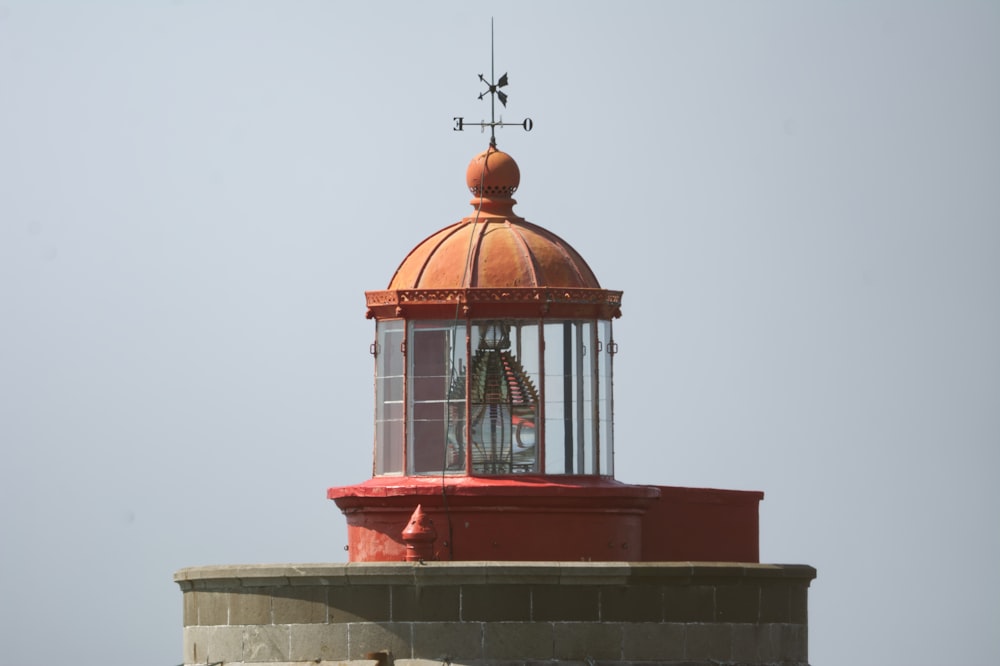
451 573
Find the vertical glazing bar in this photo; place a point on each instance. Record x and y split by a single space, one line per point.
407 393
581 431
540 417
466 409
595 396
568 395
378 411
609 418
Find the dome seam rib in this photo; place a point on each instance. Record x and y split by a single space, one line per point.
430 255
532 264
569 254
473 259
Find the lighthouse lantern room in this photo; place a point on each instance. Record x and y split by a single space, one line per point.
494 349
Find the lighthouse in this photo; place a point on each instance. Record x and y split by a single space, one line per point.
491 529
494 355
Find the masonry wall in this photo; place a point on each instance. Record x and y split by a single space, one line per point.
497 613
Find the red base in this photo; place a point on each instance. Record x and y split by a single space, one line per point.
702 525
522 519
535 518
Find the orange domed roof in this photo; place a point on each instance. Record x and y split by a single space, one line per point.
492 254
493 248
493 263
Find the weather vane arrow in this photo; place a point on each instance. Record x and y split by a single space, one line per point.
493 90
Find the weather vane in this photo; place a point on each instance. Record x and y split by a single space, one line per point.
493 90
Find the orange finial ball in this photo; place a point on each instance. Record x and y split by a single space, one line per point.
493 174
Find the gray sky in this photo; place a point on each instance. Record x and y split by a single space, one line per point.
801 202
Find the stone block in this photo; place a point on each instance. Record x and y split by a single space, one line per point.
446 573
310 642
190 600
753 643
213 608
204 645
592 573
383 573
215 585
791 640
299 605
419 603
632 603
496 603
524 573
653 641
517 640
660 573
721 573
565 603
364 638
587 640
247 607
798 604
705 642
266 581
328 570
353 603
803 572
737 603
266 643
688 603
248 573
775 598
448 641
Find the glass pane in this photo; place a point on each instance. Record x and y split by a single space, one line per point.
389 397
389 459
435 388
605 359
586 450
390 389
559 447
503 397
571 432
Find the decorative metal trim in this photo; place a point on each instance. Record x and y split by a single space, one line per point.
532 295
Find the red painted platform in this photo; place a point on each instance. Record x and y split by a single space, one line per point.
546 518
